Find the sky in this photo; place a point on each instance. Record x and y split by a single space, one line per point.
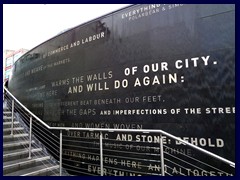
28 25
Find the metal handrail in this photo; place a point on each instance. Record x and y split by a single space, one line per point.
32 149
125 130
24 107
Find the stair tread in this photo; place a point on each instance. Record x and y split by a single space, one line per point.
15 136
23 160
6 126
15 141
22 151
7 117
17 145
15 132
9 123
33 170
15 129
15 151
7 112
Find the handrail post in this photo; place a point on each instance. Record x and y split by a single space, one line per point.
60 155
30 138
101 154
12 117
162 156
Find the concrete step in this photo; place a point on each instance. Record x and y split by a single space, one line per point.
5 108
7 112
14 137
19 154
25 163
16 130
13 145
41 170
8 119
8 124
15 152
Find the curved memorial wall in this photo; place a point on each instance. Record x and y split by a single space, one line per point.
156 66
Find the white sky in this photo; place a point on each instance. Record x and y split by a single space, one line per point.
28 25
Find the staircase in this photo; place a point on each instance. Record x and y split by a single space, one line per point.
16 161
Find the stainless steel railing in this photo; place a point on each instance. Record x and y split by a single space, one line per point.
116 156
30 143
